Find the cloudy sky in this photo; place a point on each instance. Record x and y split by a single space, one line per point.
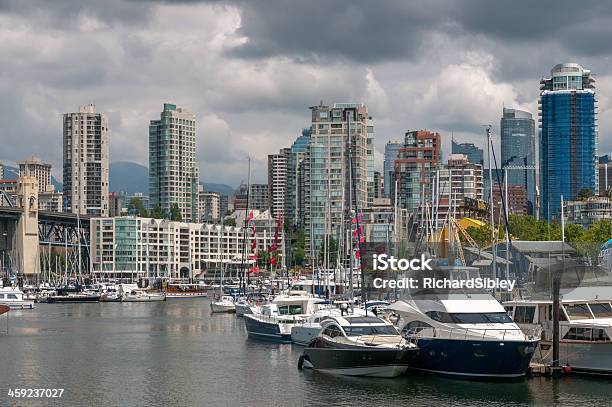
250 69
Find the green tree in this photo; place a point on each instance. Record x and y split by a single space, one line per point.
175 213
585 193
136 207
599 232
229 222
332 251
574 233
263 258
156 212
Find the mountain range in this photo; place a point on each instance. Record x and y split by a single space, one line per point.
128 177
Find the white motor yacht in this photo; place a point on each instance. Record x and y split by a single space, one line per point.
585 328
132 293
13 297
357 345
225 304
304 333
275 320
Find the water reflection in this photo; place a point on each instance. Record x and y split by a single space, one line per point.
178 353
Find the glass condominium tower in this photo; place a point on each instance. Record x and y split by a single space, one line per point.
336 130
173 175
518 151
568 140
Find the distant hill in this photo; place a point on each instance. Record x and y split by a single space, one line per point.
222 189
13 173
125 176
129 177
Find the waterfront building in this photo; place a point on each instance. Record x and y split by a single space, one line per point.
378 185
378 221
223 205
518 203
129 247
51 201
328 204
605 177
209 209
391 150
297 179
569 140
518 151
173 171
277 181
241 197
258 197
417 161
116 203
48 199
459 179
473 153
1 171
34 167
85 159
587 211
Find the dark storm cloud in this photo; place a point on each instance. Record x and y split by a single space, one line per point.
249 69
358 30
581 27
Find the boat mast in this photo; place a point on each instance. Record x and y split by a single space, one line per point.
493 248
357 222
243 273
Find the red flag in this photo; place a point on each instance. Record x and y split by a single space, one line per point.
273 261
250 218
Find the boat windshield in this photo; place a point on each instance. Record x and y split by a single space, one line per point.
481 318
370 330
290 310
601 310
578 311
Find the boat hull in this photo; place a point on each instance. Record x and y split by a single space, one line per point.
264 330
72 299
303 335
357 360
147 298
221 308
243 309
19 304
186 295
474 358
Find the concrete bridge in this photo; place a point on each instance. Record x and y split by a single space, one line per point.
24 229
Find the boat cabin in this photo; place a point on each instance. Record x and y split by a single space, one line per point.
578 320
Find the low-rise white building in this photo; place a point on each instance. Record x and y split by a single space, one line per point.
588 211
129 247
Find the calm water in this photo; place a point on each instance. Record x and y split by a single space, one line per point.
177 353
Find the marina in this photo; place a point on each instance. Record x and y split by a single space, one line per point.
178 353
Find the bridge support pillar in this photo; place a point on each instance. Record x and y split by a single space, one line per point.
26 238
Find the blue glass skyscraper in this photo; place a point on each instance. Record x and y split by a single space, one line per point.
568 140
474 154
518 152
391 150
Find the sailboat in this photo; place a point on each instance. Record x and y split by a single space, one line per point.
226 302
